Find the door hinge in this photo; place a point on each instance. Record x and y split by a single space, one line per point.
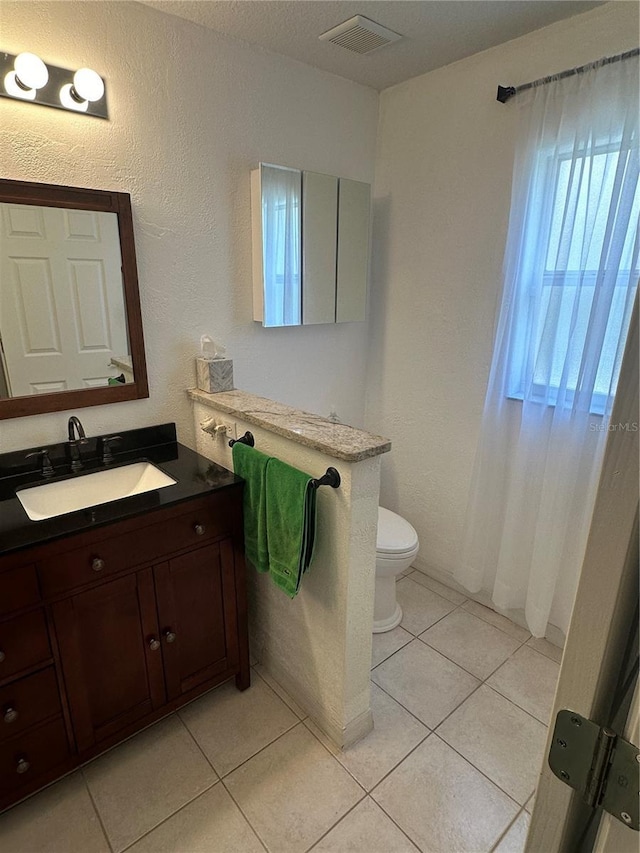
599 764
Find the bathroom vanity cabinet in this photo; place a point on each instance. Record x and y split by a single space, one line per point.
104 631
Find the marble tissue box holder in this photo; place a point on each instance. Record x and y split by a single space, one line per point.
214 374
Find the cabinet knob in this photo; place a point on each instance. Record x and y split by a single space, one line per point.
10 715
2 655
170 636
154 644
22 766
199 529
97 564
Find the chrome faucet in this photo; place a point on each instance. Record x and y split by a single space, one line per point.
73 446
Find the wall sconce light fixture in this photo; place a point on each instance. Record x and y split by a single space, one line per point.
25 77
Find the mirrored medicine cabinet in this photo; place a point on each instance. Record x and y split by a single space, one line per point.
70 322
310 247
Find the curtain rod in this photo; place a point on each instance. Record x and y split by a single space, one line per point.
506 92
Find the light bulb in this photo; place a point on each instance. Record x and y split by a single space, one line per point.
87 85
30 71
67 100
12 88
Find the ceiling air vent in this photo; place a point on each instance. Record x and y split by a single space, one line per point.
360 35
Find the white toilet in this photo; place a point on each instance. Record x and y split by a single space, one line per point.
396 547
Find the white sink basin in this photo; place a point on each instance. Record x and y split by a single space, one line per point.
52 499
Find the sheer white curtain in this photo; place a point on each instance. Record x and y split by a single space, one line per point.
570 275
281 217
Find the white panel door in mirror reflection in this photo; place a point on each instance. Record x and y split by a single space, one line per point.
62 313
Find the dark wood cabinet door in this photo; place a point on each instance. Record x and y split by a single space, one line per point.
197 613
111 656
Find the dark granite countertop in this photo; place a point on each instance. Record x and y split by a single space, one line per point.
195 476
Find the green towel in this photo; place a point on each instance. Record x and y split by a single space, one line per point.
291 524
251 465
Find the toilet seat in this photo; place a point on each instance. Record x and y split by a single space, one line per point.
396 538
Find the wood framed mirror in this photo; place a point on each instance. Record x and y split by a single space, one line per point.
70 322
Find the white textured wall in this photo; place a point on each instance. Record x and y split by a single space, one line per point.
191 113
318 645
442 198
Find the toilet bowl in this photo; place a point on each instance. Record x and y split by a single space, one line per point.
396 547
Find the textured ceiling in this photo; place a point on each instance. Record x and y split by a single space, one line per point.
436 32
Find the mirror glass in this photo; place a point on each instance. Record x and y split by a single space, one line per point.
281 246
70 321
63 320
310 247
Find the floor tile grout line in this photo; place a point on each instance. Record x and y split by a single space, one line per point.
418 572
513 701
245 816
170 816
468 671
333 825
454 607
221 776
278 696
508 698
395 699
359 803
466 699
504 661
96 810
442 654
544 654
394 821
317 739
506 831
519 707
197 745
435 731
113 750
335 758
391 769
262 748
417 636
391 654
415 842
483 773
497 627
386 775
402 760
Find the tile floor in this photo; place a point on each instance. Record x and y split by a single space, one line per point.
460 699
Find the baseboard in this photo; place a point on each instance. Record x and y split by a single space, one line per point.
553 634
340 736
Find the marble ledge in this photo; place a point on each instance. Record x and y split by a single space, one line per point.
337 440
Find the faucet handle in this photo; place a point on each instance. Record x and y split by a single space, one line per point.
47 467
104 447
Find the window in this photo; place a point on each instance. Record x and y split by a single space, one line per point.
577 278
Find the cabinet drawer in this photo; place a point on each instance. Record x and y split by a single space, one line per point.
18 588
24 642
133 548
32 754
28 701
